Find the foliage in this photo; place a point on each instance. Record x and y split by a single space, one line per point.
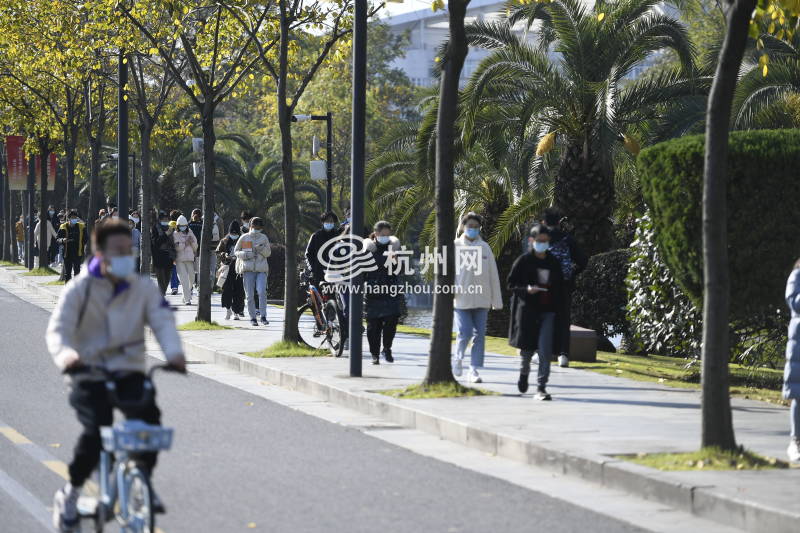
662 318
762 195
709 458
599 299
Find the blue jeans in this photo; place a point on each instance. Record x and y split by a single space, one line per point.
256 282
173 281
545 349
471 324
794 411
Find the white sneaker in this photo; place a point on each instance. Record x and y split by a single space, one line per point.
458 367
228 314
535 359
474 377
793 451
65 510
563 361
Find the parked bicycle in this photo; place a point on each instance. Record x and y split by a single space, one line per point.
327 308
126 493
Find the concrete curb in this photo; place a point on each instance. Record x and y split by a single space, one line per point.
703 501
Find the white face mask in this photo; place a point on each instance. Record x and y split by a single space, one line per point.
135 220
541 247
383 239
254 230
122 266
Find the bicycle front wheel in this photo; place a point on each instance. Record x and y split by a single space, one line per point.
335 332
139 504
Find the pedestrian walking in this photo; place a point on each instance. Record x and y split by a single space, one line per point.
174 282
19 228
537 286
382 299
186 248
476 290
230 282
217 231
252 250
51 235
196 227
162 250
72 234
791 372
573 261
136 239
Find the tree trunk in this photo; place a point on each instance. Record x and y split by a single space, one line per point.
291 213
439 369
146 214
44 152
209 175
717 419
6 209
96 192
584 193
70 142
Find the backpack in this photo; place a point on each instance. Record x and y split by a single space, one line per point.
560 250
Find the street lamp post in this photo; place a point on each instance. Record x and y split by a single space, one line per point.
122 139
328 118
357 176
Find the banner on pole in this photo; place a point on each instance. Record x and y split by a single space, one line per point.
18 166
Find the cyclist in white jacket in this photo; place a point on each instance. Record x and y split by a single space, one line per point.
99 321
476 290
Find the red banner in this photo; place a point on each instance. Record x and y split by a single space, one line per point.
17 164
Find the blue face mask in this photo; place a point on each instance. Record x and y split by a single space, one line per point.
73 221
328 226
541 247
122 266
383 239
234 236
472 233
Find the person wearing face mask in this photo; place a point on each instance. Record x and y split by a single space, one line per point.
72 234
52 218
476 290
330 223
51 242
162 250
382 298
251 251
186 247
100 321
230 282
573 261
136 237
537 288
137 221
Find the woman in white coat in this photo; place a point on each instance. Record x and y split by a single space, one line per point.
251 251
185 253
476 290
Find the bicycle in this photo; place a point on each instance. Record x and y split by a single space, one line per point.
126 493
327 307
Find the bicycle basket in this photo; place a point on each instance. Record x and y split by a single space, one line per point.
136 436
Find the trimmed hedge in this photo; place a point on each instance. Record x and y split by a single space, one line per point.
763 195
600 297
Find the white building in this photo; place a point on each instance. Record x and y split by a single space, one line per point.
427 30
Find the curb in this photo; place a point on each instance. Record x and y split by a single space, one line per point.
650 484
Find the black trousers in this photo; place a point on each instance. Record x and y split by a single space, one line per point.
233 293
563 320
163 275
72 266
93 407
377 328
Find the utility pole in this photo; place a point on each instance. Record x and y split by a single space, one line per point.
122 138
329 153
357 177
31 193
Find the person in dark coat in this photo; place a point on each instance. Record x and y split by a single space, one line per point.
536 284
382 299
573 261
73 236
791 373
162 250
329 230
233 288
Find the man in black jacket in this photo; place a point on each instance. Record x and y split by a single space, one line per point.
162 250
573 261
72 234
330 223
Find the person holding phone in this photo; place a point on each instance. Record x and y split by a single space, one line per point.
537 286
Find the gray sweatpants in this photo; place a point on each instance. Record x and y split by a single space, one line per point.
545 349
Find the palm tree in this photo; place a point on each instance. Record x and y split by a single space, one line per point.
569 92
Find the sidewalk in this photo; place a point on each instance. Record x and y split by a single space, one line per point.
591 419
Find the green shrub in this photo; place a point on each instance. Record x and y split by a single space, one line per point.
662 318
763 192
600 295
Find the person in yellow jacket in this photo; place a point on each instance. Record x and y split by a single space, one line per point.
20 229
72 234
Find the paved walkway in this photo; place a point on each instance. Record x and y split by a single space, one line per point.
591 414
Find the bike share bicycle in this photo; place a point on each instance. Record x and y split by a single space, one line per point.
126 493
326 304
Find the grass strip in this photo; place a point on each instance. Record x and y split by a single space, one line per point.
440 390
287 349
201 325
41 271
710 458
